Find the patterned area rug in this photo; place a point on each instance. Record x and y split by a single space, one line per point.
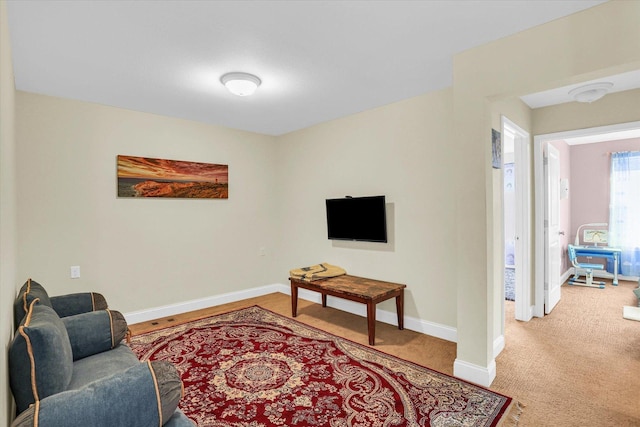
256 368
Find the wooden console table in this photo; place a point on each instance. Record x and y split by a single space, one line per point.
359 289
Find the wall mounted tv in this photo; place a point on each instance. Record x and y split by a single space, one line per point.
357 218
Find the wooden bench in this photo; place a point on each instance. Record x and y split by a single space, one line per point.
353 288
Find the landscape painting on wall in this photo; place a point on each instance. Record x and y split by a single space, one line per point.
146 177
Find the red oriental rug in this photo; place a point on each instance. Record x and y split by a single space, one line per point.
256 368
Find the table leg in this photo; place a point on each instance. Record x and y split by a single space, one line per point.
400 310
294 300
615 269
324 300
371 322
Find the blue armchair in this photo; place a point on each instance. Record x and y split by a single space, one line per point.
64 305
74 371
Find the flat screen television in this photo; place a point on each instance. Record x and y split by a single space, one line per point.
357 218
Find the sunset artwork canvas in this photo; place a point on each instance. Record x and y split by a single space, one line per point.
146 177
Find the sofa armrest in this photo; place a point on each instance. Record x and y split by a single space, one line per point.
83 302
144 395
94 332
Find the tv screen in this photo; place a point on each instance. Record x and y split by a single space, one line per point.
357 218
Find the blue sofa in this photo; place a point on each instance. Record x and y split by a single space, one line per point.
70 368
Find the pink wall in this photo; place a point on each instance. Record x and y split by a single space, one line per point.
587 168
589 180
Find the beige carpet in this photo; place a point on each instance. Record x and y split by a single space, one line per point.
579 366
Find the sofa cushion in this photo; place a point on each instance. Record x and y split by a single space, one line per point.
101 365
40 356
28 292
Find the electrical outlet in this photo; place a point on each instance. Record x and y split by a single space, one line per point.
262 251
75 271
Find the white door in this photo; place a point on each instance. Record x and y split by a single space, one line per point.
522 159
552 228
523 225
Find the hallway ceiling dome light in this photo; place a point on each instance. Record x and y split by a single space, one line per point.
591 92
241 84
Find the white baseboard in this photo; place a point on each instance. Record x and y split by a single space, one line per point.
498 346
476 374
606 275
530 312
197 304
437 330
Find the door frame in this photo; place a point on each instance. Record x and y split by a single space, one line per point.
522 160
540 195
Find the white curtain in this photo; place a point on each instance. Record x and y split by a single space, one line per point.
624 210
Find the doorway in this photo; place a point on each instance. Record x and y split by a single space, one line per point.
516 219
602 133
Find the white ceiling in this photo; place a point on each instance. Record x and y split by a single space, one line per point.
318 60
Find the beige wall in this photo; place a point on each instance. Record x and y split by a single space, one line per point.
569 50
146 253
619 107
401 151
140 253
7 212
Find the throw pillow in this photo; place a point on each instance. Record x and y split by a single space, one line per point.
40 356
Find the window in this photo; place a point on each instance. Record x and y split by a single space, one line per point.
624 209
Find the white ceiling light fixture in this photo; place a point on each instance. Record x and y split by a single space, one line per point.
591 92
241 84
